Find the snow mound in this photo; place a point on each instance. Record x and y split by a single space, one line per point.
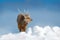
36 33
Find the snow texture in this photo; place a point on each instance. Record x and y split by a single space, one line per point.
35 33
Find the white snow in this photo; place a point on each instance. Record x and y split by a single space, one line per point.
35 33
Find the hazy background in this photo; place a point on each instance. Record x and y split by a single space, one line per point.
43 12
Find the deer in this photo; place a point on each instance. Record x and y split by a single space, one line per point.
23 20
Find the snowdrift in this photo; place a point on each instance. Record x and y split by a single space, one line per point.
35 33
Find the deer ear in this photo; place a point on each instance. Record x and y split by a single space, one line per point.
22 17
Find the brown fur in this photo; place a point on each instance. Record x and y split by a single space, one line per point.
22 21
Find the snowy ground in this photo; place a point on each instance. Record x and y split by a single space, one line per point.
37 33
